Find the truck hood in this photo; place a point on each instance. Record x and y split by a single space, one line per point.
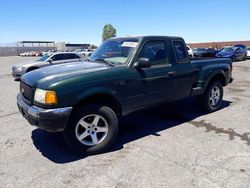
59 72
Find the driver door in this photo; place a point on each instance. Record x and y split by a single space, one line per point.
159 78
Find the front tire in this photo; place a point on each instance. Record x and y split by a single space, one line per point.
212 98
92 129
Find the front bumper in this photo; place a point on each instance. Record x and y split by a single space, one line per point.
51 120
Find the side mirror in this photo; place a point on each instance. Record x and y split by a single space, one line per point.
50 61
142 63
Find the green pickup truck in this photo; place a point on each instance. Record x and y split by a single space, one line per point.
85 100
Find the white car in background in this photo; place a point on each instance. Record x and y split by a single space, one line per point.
86 52
47 60
248 52
190 52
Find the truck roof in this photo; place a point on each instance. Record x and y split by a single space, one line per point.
150 37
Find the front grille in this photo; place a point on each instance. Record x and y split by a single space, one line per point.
26 91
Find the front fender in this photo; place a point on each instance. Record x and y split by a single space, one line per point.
96 91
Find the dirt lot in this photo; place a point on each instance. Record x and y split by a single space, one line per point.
174 145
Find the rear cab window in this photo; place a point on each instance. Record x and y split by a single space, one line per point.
180 51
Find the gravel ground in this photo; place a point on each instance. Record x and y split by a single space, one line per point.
173 145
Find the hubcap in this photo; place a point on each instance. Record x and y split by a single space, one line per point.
214 96
91 129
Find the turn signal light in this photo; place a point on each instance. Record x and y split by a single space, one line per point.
50 97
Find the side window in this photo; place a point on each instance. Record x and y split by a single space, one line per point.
67 56
180 51
155 51
74 56
57 57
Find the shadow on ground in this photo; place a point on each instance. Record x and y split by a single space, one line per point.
134 126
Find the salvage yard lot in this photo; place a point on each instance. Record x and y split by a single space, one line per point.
173 145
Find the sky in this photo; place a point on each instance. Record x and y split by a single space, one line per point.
82 21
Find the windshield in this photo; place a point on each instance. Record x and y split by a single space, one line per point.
116 51
44 58
231 49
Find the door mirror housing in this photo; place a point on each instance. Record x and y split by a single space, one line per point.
50 61
142 63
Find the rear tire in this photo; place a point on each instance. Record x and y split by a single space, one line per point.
92 129
212 98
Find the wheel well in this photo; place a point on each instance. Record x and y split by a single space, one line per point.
219 77
31 69
101 99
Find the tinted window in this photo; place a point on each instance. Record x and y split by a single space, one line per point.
71 56
74 56
155 51
180 51
58 57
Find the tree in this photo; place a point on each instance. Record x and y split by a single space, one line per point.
108 32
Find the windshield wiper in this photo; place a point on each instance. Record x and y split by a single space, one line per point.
104 61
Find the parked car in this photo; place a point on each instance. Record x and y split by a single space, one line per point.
86 52
244 48
23 54
234 53
85 100
248 52
47 60
190 52
204 52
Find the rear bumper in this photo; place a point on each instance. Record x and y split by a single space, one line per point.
51 120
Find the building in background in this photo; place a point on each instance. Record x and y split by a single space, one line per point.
16 48
26 46
217 45
71 47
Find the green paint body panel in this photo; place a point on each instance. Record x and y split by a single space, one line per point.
132 88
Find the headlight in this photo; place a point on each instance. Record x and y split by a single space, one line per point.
18 68
45 97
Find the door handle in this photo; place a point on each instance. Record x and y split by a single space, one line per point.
171 73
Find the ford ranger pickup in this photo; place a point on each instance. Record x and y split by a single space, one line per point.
85 100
